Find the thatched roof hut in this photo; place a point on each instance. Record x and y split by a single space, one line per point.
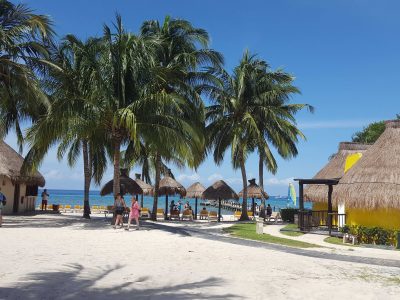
127 185
195 190
375 180
10 166
254 191
147 189
169 186
220 190
334 169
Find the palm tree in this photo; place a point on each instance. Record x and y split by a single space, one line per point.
24 41
234 117
180 56
73 115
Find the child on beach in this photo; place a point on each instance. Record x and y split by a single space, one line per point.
134 214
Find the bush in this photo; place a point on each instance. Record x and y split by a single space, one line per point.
287 214
372 235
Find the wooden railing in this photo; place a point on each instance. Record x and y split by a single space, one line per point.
321 219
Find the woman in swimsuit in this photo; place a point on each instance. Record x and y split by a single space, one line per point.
119 205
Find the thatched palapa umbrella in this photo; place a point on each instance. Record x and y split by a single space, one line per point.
334 169
195 191
127 185
169 187
147 189
254 191
219 191
374 182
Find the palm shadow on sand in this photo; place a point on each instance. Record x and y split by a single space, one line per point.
74 283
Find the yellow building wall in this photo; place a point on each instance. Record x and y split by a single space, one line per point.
385 218
25 203
324 206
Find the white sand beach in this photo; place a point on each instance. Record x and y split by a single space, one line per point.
65 257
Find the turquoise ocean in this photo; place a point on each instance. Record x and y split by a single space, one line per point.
75 197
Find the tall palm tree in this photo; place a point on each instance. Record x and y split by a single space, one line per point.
180 56
73 114
233 119
24 41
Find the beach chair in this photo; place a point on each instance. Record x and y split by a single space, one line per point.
213 216
95 208
61 207
250 214
67 207
204 214
102 208
145 213
236 215
187 215
49 206
174 215
160 213
274 218
109 210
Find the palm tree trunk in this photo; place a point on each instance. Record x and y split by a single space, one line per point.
87 175
156 185
261 173
117 157
244 216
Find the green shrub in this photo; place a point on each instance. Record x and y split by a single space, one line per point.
372 235
287 214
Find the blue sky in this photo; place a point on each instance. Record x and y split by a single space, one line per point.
344 55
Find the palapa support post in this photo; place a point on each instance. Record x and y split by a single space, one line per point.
330 189
219 209
195 209
253 207
301 206
141 200
166 207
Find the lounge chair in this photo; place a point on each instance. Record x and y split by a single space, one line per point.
76 208
160 213
145 213
174 215
49 206
95 208
109 210
250 214
204 214
187 215
213 216
236 215
274 218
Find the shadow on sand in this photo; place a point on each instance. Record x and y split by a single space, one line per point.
76 282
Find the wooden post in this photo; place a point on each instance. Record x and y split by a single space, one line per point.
195 209
253 207
219 209
301 206
141 200
330 189
166 207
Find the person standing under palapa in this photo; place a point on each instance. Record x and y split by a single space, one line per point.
45 198
119 205
3 201
134 214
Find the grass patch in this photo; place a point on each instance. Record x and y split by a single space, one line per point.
290 230
337 241
248 231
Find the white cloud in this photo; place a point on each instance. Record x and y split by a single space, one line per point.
334 124
277 181
214 177
188 177
234 180
58 175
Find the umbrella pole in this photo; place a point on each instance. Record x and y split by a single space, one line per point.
219 209
195 209
141 200
166 207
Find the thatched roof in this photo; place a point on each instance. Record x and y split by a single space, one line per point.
333 169
10 166
195 190
220 190
169 186
254 191
375 180
146 188
127 185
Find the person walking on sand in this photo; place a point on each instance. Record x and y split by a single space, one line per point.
119 205
2 204
134 214
45 198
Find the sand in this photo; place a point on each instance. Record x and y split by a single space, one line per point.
65 257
